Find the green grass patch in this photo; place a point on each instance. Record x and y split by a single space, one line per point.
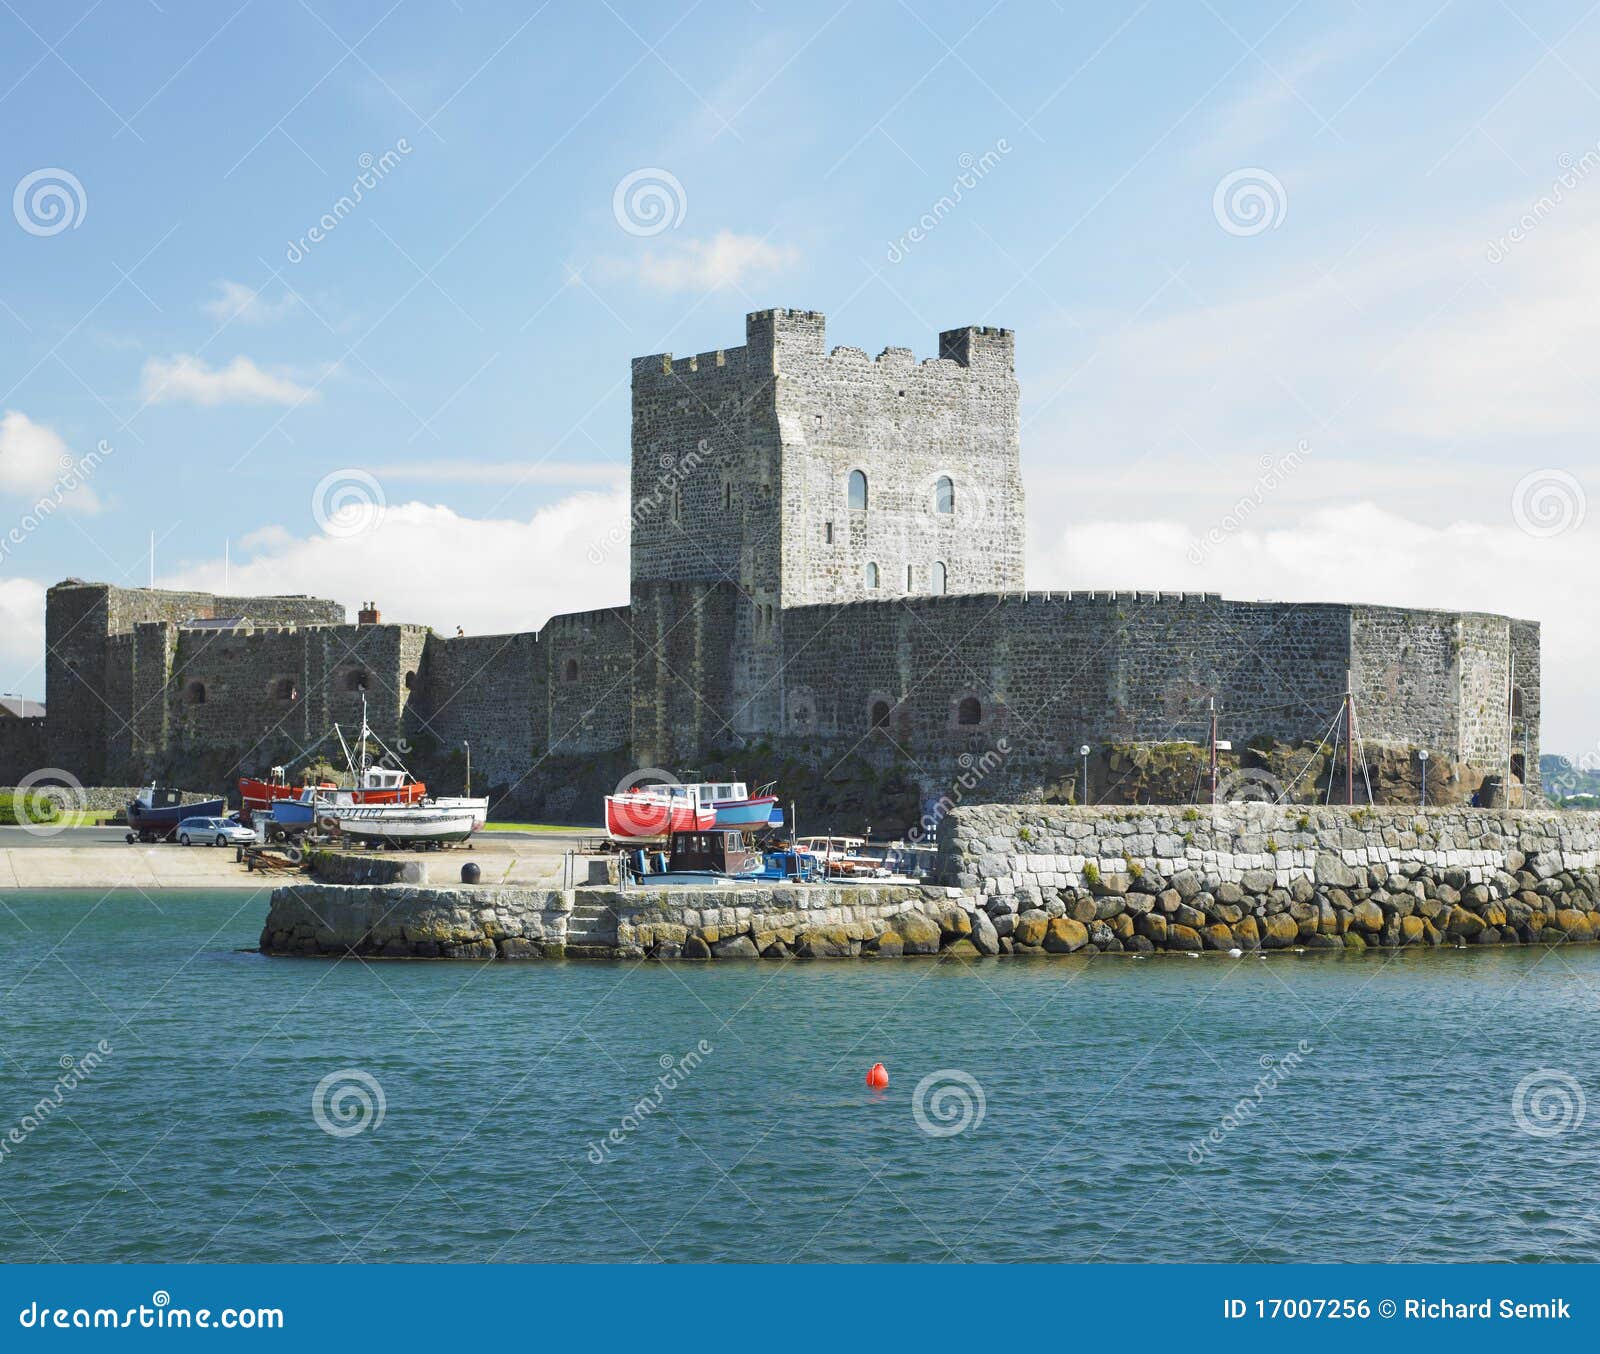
492 826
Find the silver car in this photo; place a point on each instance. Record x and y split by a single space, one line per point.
214 832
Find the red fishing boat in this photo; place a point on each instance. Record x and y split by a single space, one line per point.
375 785
654 812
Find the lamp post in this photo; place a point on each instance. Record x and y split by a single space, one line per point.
1422 756
1084 753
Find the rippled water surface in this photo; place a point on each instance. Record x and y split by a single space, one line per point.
1399 1134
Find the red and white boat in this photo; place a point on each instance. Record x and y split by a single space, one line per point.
378 785
656 811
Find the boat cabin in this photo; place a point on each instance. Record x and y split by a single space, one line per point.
706 856
710 793
718 851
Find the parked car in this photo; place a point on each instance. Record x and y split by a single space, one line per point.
214 832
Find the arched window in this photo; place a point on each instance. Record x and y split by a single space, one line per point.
569 673
858 491
356 679
1516 702
411 681
969 711
727 493
872 576
194 693
940 578
880 714
944 495
285 690
910 579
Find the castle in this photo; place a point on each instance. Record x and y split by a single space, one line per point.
826 565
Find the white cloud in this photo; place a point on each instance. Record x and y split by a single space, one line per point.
1365 553
235 301
726 260
35 462
431 565
22 636
190 379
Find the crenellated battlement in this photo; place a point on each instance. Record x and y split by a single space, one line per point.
771 336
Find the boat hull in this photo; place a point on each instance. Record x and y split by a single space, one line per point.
164 821
478 808
641 817
397 825
745 812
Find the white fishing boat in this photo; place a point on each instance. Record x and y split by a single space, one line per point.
421 822
398 824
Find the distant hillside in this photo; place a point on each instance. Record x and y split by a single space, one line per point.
1568 776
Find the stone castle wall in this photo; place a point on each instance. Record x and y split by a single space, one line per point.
24 746
93 691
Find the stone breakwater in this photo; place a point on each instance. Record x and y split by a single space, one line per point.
1258 876
1037 880
810 921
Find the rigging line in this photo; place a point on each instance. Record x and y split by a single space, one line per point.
1305 766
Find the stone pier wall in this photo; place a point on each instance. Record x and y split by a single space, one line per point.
1248 876
812 921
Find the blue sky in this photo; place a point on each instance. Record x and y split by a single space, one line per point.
1378 387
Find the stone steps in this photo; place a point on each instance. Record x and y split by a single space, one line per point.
592 924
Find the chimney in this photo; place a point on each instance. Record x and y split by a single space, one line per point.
368 615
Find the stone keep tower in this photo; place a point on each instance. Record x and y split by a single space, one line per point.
788 470
778 474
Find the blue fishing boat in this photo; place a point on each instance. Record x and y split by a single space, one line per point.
154 814
734 805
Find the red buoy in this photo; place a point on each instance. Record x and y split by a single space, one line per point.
878 1077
